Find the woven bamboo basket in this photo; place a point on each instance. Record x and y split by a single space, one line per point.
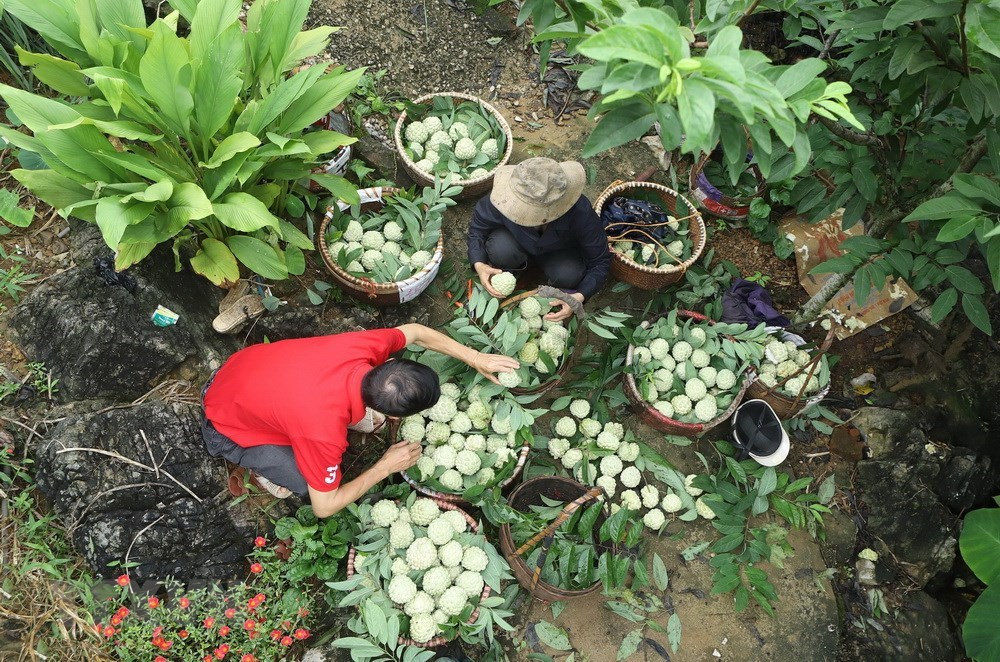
364 289
563 368
786 406
642 276
714 201
470 187
436 641
669 425
522 457
528 494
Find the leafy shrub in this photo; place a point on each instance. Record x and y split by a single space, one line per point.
199 139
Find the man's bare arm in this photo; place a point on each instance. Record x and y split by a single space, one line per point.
399 457
486 364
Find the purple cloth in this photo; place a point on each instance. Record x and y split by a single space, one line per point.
748 303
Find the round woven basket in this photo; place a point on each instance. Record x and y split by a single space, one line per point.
567 358
669 425
521 499
436 641
364 289
785 406
642 276
714 201
470 187
522 457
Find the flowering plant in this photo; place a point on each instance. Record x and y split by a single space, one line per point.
259 619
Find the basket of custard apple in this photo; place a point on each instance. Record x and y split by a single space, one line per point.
688 373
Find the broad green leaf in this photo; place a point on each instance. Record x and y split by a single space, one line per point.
725 43
216 262
328 92
295 260
796 77
909 11
621 42
964 280
188 203
992 254
165 70
324 142
661 25
338 186
958 228
972 305
131 253
826 490
244 213
630 645
235 144
61 75
696 107
944 304
660 577
768 481
980 543
619 126
54 189
211 19
293 236
946 207
983 27
217 82
979 631
113 216
552 636
309 43
11 212
674 631
55 20
258 256
117 16
978 187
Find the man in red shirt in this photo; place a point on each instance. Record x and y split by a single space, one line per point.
282 410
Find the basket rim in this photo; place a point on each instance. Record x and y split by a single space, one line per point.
465 183
522 458
632 390
364 285
504 531
674 268
439 640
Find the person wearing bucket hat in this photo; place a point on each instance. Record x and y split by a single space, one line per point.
758 433
537 215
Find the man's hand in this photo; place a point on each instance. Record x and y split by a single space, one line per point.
486 272
488 364
564 310
400 457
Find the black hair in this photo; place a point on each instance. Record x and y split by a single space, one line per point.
400 388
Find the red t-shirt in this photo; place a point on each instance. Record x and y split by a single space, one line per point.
301 393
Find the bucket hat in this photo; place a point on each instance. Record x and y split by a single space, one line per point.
537 190
758 433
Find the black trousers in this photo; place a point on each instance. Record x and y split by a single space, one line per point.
563 269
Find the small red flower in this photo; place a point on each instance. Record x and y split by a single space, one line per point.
286 641
159 658
249 624
275 634
207 658
301 633
153 602
122 612
221 651
157 631
286 625
184 603
230 612
252 634
183 634
259 541
256 568
116 620
247 657
259 598
98 628
209 621
224 631
109 631
303 612
123 580
164 644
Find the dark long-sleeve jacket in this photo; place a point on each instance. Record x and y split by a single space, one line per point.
579 229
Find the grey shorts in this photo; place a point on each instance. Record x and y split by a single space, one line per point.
272 461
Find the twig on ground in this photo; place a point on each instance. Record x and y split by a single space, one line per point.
144 529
